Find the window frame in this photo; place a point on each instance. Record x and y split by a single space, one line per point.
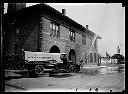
91 57
95 44
55 29
72 35
95 57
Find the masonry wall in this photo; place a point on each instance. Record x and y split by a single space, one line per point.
92 50
34 35
63 42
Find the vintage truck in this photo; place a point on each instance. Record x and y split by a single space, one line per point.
40 62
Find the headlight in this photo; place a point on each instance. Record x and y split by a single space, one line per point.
26 61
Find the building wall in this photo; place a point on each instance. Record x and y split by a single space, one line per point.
63 42
64 32
34 35
78 38
93 50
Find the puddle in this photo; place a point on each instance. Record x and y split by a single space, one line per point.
61 75
105 70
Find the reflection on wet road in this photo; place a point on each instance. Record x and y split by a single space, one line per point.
104 70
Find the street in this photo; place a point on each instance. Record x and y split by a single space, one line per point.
105 81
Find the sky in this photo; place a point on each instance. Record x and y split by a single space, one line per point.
106 20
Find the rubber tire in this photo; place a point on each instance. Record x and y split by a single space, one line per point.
72 68
31 74
40 68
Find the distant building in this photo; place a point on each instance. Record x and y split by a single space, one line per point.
43 28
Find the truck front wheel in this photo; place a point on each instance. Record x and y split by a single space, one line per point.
39 69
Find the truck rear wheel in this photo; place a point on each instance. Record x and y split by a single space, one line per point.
72 68
39 69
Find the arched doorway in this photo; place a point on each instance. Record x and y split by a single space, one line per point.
54 49
72 55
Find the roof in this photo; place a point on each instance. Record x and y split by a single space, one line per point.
98 37
39 8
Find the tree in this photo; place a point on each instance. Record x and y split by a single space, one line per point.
119 57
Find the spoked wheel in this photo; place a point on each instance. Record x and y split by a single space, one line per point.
72 68
81 68
39 69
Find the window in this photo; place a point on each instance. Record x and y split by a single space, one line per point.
57 31
94 57
95 44
17 31
54 29
90 42
72 35
83 39
91 57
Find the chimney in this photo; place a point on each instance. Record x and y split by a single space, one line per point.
87 27
63 11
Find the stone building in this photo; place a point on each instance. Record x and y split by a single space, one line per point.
43 28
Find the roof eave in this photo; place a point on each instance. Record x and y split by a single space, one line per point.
98 37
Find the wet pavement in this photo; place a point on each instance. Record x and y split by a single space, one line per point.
106 70
104 78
